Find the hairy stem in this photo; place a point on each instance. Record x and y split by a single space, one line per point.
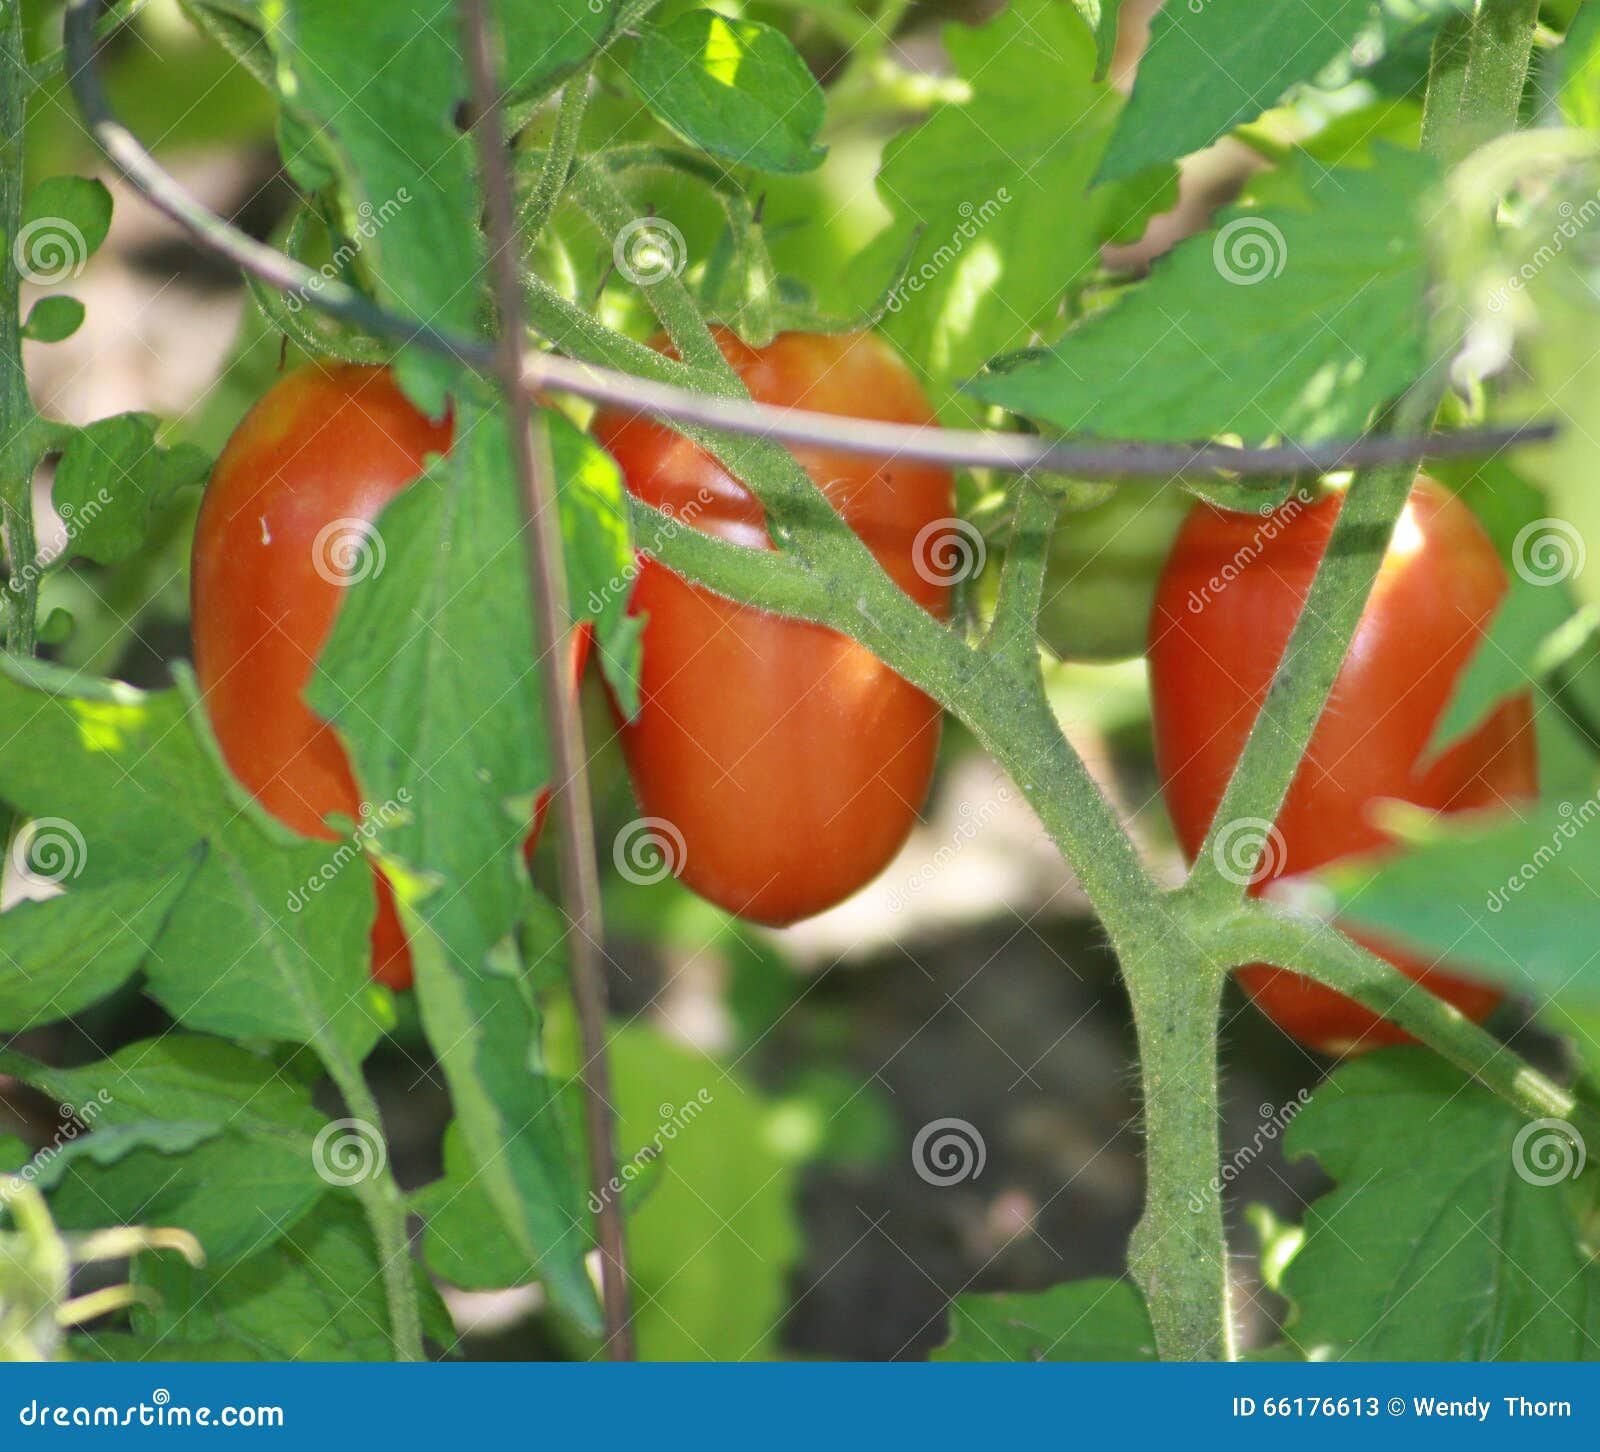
385 1209
1477 72
1319 951
1311 661
541 202
1178 1253
1013 633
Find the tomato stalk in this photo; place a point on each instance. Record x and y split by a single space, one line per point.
1311 661
384 1205
1335 961
535 212
1476 74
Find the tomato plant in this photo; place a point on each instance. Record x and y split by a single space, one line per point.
286 526
790 759
1230 593
770 354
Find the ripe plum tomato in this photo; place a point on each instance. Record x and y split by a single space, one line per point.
1225 605
281 533
789 761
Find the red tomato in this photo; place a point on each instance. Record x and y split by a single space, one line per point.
278 538
1226 602
791 760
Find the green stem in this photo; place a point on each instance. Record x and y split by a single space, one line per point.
1447 81
1311 661
1474 87
1013 633
1178 1253
1477 73
1321 952
673 304
535 212
19 435
385 1209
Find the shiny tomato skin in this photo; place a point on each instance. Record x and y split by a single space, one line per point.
790 759
327 443
1225 605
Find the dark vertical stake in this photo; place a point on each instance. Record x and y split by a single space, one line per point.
580 890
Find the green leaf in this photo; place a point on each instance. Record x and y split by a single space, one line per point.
1101 17
485 1027
1210 66
113 1144
315 1295
1535 630
53 318
467 1243
56 628
64 220
131 787
1292 322
112 475
996 209
378 84
1516 898
1579 60
432 677
713 1243
546 42
1454 1231
248 1172
1093 1320
735 88
60 956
